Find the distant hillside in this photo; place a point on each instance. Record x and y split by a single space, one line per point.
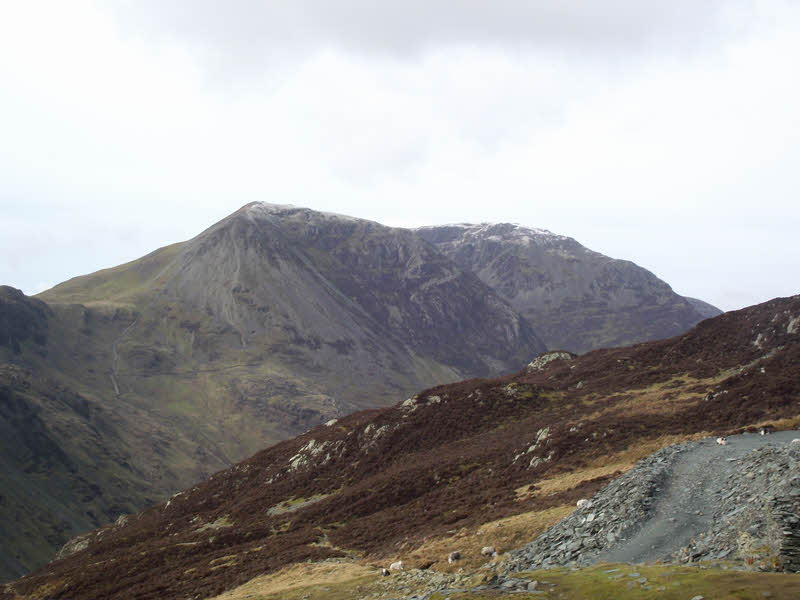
453 467
705 309
141 379
576 299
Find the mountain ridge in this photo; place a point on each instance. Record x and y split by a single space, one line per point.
576 298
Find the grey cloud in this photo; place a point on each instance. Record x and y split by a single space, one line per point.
246 32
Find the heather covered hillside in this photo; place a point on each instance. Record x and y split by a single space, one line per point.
456 465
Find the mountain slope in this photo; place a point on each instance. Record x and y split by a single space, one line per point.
446 464
146 377
73 456
329 291
575 298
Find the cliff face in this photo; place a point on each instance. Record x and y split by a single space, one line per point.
576 299
346 289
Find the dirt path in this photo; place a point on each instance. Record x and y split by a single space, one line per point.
686 503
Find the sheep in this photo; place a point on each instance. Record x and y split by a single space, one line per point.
385 572
488 551
453 556
397 566
582 502
722 441
765 430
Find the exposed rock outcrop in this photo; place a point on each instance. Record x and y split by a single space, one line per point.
541 361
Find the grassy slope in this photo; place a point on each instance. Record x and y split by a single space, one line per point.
661 582
118 284
605 582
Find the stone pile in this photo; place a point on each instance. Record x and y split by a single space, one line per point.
757 516
610 516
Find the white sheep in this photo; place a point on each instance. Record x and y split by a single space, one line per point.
488 551
397 566
722 441
582 502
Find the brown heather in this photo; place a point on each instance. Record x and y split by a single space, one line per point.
445 469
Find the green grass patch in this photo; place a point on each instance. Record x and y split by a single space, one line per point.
628 582
294 504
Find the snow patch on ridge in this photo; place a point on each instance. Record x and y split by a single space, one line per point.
281 210
508 232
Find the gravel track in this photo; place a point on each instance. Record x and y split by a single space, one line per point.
685 506
677 500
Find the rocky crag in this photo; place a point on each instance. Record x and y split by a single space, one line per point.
575 298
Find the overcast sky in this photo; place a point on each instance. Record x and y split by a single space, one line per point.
667 133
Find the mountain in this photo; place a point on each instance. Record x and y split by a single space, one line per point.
315 288
705 309
456 467
123 386
575 298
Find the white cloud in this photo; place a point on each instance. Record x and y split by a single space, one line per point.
669 137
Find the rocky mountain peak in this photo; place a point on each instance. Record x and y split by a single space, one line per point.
258 210
575 298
